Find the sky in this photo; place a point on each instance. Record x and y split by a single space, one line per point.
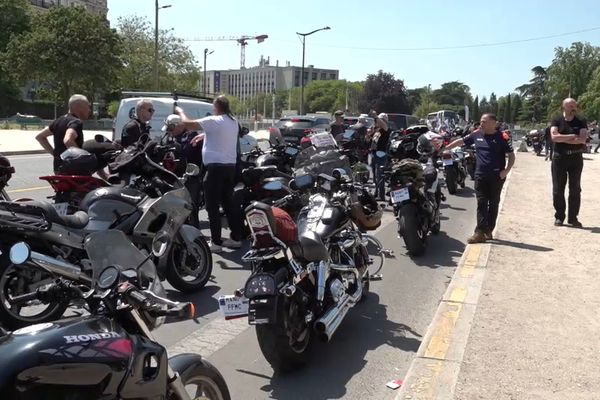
367 36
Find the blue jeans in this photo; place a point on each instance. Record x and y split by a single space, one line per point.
376 164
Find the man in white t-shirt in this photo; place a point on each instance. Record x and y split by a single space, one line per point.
219 155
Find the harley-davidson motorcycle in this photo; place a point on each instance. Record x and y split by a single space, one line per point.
155 200
306 275
111 353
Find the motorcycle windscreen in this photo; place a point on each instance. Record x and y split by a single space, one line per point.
313 161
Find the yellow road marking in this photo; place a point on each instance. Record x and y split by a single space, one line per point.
442 333
468 268
28 189
458 295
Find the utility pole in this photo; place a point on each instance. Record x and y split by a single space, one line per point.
156 8
273 119
304 35
206 53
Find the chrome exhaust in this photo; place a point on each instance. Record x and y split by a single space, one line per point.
322 270
331 320
59 267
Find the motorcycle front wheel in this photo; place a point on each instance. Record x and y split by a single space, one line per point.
190 267
200 378
411 231
16 280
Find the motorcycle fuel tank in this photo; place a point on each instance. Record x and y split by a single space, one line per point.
104 205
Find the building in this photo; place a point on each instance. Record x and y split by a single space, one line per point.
98 6
265 78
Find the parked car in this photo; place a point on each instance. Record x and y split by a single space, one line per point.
294 128
402 121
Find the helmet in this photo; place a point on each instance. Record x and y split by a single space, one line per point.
6 171
77 161
366 213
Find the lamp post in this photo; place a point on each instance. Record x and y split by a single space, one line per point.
304 35
206 53
156 8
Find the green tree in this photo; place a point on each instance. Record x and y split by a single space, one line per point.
570 73
484 106
426 103
384 93
493 103
72 49
507 116
535 92
454 93
475 112
177 66
516 107
590 101
414 97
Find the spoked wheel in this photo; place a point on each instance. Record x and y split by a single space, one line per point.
190 267
19 280
377 254
201 380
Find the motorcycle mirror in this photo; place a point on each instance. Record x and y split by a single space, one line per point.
291 151
348 134
340 174
160 244
273 185
19 253
380 154
192 170
100 138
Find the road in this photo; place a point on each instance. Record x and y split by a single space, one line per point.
375 343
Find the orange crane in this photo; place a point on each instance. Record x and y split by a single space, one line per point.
242 41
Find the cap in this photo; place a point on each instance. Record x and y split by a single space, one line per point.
171 121
383 116
338 113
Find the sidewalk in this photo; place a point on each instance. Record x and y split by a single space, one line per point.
15 141
521 322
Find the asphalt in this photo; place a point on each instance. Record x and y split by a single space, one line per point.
375 344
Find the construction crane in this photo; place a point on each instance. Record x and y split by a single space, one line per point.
242 41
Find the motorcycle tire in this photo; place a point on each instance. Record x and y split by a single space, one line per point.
451 178
11 319
471 170
194 370
414 237
275 345
180 260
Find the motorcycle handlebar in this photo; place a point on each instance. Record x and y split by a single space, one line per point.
158 306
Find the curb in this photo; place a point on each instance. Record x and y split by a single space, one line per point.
434 371
23 152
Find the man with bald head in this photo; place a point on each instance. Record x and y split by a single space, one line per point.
569 134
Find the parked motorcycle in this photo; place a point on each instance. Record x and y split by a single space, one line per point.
110 353
403 144
416 197
6 171
455 171
155 201
470 160
537 141
306 275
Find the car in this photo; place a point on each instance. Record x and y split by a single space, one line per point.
162 103
294 128
402 121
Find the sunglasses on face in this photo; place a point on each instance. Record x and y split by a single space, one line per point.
150 110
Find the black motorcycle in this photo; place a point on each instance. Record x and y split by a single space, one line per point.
455 171
6 171
110 353
416 197
404 145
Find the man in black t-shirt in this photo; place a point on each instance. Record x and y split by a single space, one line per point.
569 134
137 126
66 130
337 126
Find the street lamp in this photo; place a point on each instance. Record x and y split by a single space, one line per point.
156 8
304 35
206 53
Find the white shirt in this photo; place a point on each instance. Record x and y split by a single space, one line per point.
220 140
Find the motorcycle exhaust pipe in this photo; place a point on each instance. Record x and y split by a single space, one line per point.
321 280
328 324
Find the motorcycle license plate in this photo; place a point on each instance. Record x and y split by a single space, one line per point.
400 195
447 162
232 307
61 208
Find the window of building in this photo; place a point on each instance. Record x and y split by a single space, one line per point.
314 76
323 76
332 76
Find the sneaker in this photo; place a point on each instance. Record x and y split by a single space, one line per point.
232 244
488 235
558 222
215 248
477 237
575 223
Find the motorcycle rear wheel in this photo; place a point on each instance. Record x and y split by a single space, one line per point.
451 178
207 380
414 236
185 272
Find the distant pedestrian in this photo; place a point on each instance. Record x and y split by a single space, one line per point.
139 124
549 144
337 126
569 134
379 150
219 155
491 149
66 130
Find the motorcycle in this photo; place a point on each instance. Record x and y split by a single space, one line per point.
155 200
110 353
470 160
537 142
305 276
416 197
455 172
6 171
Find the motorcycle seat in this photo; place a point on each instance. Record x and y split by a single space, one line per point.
77 220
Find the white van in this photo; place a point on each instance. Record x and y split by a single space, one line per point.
163 106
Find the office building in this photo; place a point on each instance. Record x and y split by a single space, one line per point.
97 6
265 78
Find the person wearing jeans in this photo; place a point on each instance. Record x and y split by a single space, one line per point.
379 148
219 155
569 134
491 149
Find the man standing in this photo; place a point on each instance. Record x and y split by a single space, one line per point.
491 148
569 134
219 154
138 126
379 150
193 155
337 126
66 130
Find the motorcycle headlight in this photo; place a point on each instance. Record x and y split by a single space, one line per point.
260 285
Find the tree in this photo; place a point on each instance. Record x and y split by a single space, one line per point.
384 93
516 107
493 103
475 109
68 47
508 110
570 73
427 104
454 93
177 66
414 97
590 101
484 106
535 93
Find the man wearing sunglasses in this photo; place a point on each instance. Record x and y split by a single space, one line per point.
138 126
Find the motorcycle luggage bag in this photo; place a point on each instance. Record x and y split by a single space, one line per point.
408 171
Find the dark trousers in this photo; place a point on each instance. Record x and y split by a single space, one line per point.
597 147
488 191
377 163
194 186
219 182
566 168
